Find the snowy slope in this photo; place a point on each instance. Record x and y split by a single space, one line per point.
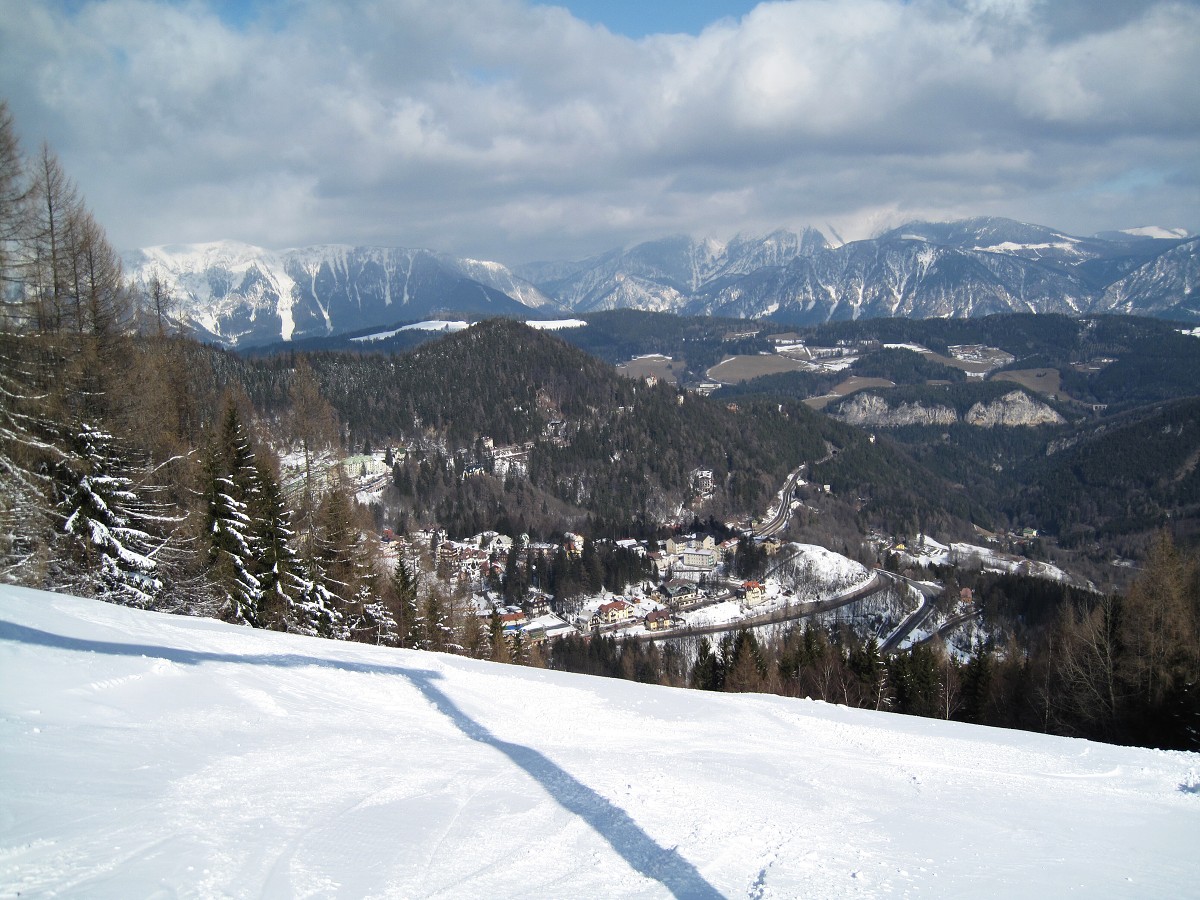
144 755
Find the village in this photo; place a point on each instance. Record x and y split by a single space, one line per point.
689 583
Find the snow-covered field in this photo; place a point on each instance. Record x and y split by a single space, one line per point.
144 755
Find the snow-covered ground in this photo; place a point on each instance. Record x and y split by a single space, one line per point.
555 324
451 326
146 755
432 325
930 552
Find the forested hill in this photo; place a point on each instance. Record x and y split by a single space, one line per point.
614 449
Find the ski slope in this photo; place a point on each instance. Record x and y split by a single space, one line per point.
143 755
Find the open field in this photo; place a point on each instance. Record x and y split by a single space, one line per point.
974 359
664 368
1043 381
847 387
737 369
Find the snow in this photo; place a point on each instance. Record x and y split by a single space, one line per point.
556 324
432 325
930 552
1013 247
1157 231
148 755
915 348
453 326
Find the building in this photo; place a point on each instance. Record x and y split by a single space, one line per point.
677 593
752 593
658 619
612 613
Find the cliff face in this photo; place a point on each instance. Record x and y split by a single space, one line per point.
1014 409
873 410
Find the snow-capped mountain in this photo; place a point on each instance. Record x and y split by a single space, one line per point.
241 295
665 275
971 267
895 276
1169 285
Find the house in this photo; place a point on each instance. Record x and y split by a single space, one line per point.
534 636
611 613
512 621
752 593
616 611
493 542
678 592
693 557
675 546
658 619
966 595
550 626
573 544
503 460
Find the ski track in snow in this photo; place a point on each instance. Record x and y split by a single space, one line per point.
150 755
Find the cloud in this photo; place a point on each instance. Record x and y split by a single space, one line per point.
504 129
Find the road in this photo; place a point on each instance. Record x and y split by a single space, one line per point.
916 618
779 520
949 625
788 614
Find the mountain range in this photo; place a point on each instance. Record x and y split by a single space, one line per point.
239 295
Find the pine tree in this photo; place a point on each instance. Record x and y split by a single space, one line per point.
404 587
113 535
501 650
437 633
278 568
707 673
475 638
231 479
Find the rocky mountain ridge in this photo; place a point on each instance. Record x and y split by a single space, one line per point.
1015 409
239 295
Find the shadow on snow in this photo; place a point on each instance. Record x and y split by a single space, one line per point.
612 823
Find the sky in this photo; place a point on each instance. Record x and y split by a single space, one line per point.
508 130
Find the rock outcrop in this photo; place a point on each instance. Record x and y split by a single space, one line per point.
1015 409
873 410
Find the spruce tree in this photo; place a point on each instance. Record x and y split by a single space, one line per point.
231 480
278 568
112 534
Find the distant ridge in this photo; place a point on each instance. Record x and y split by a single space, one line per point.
240 295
